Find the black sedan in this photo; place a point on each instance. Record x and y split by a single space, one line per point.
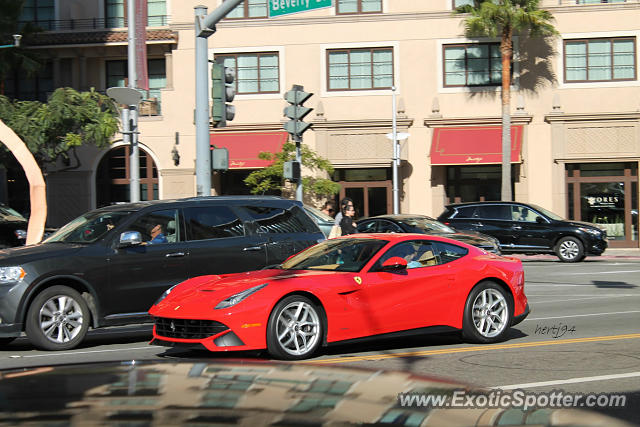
407 223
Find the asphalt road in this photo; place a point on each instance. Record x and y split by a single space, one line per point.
583 336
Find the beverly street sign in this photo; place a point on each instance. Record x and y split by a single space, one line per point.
285 7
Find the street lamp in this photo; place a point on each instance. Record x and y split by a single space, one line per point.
16 41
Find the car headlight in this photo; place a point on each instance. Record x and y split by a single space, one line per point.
234 299
593 231
11 274
164 295
20 234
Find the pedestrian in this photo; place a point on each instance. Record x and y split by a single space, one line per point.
347 224
343 203
329 208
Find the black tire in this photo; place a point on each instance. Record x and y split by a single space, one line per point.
570 249
51 328
308 325
6 341
488 313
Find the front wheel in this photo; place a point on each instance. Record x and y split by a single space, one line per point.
487 313
295 329
570 249
58 319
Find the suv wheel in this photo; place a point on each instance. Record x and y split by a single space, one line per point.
570 249
58 319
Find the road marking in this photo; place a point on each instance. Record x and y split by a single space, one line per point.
492 347
17 356
582 315
569 381
583 299
528 286
600 272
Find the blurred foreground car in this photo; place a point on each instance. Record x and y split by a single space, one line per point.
351 287
406 223
244 393
102 269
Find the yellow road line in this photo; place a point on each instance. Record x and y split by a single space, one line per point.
470 349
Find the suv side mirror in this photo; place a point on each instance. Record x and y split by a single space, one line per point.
394 263
130 238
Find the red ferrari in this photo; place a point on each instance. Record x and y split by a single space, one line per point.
363 285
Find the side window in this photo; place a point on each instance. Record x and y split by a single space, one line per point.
500 212
417 253
388 227
465 212
279 220
448 252
520 213
158 226
368 227
212 222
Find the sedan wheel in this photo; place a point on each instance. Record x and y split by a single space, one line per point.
295 329
487 313
58 319
570 249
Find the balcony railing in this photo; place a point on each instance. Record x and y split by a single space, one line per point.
94 23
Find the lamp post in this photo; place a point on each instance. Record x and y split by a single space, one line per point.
16 41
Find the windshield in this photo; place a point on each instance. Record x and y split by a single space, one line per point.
336 254
8 214
426 225
88 228
547 213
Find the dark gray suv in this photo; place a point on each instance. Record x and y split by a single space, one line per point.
108 266
528 229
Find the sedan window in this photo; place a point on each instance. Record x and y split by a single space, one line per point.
336 254
417 253
449 252
368 227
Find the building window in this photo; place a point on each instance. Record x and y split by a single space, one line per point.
360 69
32 88
458 3
249 9
597 60
156 13
478 64
39 12
116 13
117 75
115 17
255 72
344 7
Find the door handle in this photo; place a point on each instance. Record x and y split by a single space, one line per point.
252 248
174 254
477 224
517 227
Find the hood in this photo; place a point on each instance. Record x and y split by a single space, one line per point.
243 392
25 254
582 224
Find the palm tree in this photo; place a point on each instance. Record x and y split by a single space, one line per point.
503 18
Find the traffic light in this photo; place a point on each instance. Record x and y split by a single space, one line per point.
291 170
296 112
222 91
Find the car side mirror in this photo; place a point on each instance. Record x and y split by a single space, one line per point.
130 238
394 263
540 220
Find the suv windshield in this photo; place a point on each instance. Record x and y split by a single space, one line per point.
8 214
427 225
88 228
336 254
547 213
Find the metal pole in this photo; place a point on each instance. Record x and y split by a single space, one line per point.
298 139
134 158
203 149
396 204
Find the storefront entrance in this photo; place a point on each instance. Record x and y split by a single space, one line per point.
606 194
370 190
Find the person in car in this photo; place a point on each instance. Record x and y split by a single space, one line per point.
157 235
329 208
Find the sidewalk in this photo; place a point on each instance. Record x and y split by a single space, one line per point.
609 254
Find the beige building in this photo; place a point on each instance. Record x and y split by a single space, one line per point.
575 103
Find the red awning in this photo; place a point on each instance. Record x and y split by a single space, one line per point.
244 147
472 145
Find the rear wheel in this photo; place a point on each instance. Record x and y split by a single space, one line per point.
295 328
487 313
570 249
58 319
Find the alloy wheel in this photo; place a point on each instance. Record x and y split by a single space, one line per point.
569 249
60 319
298 328
490 313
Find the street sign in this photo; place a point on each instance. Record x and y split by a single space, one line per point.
286 7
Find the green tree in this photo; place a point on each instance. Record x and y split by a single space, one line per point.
16 59
504 18
271 177
69 119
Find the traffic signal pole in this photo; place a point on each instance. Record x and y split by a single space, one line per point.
205 27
